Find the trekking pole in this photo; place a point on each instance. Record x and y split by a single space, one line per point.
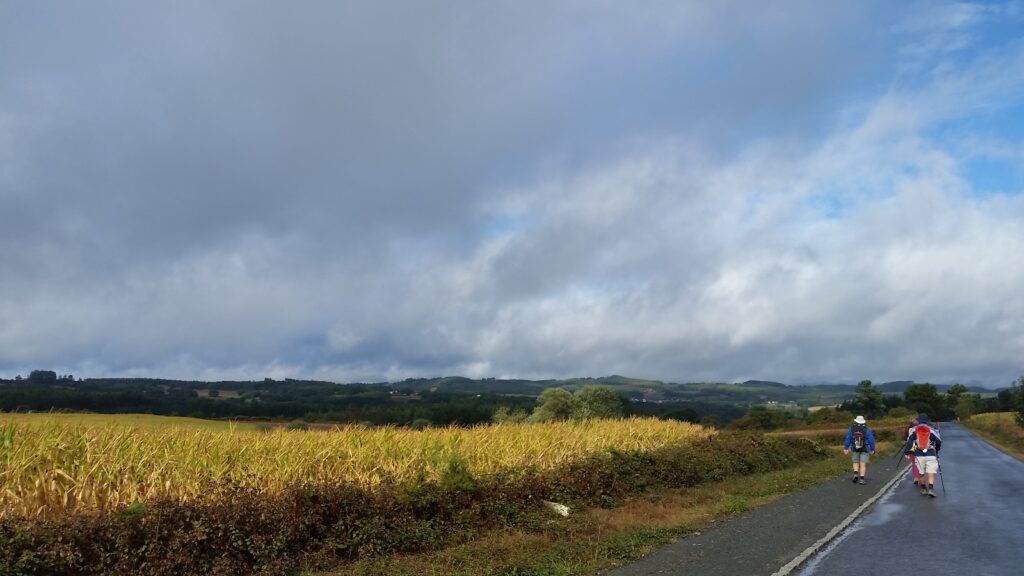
901 453
942 481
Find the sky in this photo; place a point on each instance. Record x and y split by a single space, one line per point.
798 191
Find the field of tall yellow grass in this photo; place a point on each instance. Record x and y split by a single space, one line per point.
52 464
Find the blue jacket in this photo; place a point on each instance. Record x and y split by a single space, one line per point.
934 443
869 439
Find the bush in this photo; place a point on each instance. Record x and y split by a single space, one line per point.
297 425
829 416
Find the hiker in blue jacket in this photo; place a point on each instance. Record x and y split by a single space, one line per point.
924 442
860 444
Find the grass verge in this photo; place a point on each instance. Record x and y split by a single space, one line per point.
597 538
1001 430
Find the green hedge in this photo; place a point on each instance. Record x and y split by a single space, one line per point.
244 532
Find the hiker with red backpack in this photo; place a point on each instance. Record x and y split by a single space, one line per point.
860 444
924 442
910 453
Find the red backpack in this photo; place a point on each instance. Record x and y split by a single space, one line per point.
922 437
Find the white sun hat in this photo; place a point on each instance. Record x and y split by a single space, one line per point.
859 420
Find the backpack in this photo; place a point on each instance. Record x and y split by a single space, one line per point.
922 437
859 435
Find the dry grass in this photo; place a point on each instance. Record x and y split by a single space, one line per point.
53 464
1001 429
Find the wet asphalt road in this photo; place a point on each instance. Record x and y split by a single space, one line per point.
976 527
760 541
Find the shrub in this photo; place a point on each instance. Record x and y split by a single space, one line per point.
830 416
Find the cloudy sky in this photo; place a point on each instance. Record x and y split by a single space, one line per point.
800 191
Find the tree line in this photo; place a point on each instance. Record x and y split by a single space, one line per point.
463 402
957 403
316 401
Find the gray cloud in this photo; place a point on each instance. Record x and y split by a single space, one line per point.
367 190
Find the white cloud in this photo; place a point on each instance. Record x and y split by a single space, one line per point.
916 267
725 197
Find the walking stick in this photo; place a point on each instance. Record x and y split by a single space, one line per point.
901 453
942 482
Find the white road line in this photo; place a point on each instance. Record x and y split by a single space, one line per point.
796 562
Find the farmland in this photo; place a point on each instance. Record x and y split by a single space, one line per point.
190 497
59 463
142 494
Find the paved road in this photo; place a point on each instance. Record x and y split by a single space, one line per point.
762 540
975 528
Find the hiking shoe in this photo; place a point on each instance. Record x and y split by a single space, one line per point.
915 482
924 491
855 479
931 493
861 481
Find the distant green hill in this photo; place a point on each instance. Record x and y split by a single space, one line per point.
641 390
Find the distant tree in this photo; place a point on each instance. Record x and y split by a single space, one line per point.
892 401
900 412
965 407
957 390
598 402
552 404
869 400
42 377
1005 401
953 395
761 417
926 398
506 414
1018 396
